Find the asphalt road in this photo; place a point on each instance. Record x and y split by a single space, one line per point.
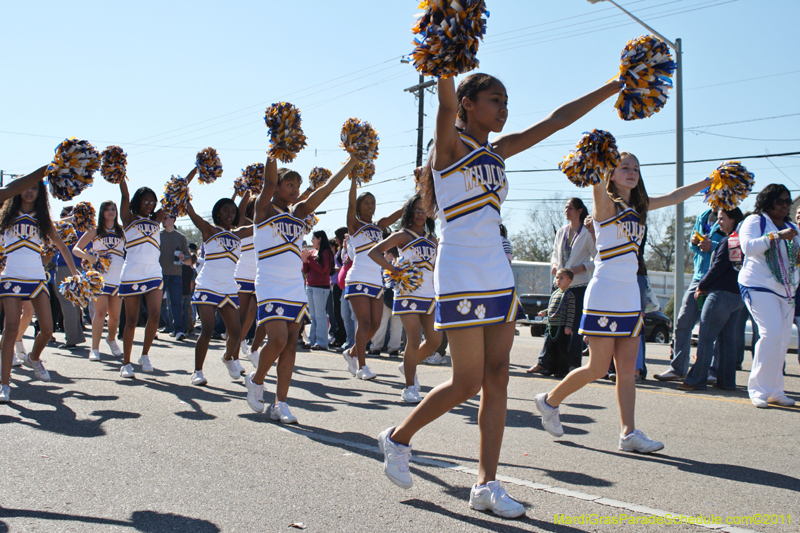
89 452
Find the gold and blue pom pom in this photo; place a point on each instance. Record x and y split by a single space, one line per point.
72 169
286 137
407 280
102 265
731 183
251 179
176 197
318 177
417 176
67 233
310 221
209 167
447 36
113 167
646 69
81 289
363 171
83 217
2 258
360 139
49 249
594 156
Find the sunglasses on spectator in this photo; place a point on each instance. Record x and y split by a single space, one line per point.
783 201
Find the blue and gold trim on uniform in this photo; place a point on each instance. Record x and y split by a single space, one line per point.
274 309
359 288
25 289
409 305
134 288
611 323
477 309
207 297
246 286
110 290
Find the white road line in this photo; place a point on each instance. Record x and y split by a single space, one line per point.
601 500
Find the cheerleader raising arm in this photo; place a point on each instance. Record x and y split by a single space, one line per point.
681 194
309 205
264 209
19 185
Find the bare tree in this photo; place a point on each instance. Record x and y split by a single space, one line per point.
535 241
660 251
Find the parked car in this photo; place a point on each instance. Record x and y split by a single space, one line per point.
748 336
657 325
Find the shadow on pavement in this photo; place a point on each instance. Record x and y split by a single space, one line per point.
147 521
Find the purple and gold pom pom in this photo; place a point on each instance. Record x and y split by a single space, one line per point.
102 264
646 69
49 249
176 197
360 139
594 156
286 137
72 169
209 167
251 179
83 217
448 34
81 289
417 176
318 177
731 183
67 233
2 258
407 280
113 167
94 282
310 221
363 172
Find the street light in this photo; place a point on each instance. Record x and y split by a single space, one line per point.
679 244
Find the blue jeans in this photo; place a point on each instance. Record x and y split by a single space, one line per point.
173 286
688 317
317 308
717 323
349 320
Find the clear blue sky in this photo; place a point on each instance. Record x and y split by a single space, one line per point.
166 79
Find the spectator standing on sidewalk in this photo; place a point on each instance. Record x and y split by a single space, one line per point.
174 253
705 238
73 315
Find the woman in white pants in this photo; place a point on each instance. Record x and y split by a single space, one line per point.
768 281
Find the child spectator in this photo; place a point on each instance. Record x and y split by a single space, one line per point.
560 314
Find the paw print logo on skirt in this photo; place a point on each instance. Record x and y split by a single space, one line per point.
613 326
366 290
404 303
268 308
135 286
358 287
413 306
7 285
239 286
602 322
143 287
464 306
204 297
480 311
16 289
279 311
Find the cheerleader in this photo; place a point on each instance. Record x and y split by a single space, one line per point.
612 315
476 302
282 305
245 276
141 272
216 289
416 243
26 226
107 240
364 281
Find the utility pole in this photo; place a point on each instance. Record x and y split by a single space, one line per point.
2 177
419 90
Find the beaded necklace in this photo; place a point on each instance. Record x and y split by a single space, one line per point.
784 273
568 244
557 313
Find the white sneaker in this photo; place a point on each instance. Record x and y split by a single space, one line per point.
233 372
245 348
180 336
198 378
410 395
114 347
16 361
144 360
253 357
280 411
761 403
784 401
402 370
395 459
352 362
551 417
94 355
239 367
492 497
38 368
669 375
19 348
5 393
127 371
638 442
255 394
435 359
365 373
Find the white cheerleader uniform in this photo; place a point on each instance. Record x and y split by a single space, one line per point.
421 251
23 276
472 280
113 245
612 306
141 271
365 277
280 288
216 284
245 273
